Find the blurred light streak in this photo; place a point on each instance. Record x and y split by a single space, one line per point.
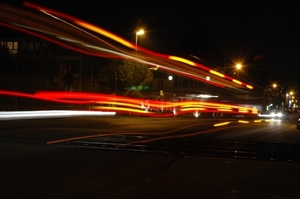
105 33
118 39
17 115
194 109
123 109
225 109
217 73
182 60
80 23
55 41
126 104
237 81
243 121
275 120
221 124
243 110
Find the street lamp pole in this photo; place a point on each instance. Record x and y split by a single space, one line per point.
137 33
140 32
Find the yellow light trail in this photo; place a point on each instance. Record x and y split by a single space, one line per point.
221 124
237 81
182 60
243 121
217 73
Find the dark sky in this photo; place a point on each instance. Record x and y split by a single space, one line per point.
230 31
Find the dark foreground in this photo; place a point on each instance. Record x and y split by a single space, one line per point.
50 172
28 173
29 168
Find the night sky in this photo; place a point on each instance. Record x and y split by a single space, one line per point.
264 36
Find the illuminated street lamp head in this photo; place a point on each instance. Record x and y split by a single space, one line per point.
274 85
140 32
238 66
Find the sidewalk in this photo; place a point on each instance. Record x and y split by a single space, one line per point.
250 178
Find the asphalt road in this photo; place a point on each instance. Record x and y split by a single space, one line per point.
48 158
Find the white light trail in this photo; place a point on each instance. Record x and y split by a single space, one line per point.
16 115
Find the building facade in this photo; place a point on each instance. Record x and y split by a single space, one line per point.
46 64
49 62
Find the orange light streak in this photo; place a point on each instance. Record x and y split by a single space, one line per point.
128 44
217 73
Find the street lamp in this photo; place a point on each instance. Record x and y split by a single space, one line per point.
238 66
290 99
140 32
137 33
234 70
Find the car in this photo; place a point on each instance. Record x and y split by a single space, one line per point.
270 114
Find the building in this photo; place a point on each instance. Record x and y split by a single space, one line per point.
47 63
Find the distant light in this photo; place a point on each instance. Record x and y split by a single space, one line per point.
207 78
170 77
206 96
279 114
196 114
140 87
238 66
140 32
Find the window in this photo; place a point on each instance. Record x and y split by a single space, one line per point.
200 84
24 45
31 46
175 81
180 82
185 82
37 45
11 46
160 85
192 83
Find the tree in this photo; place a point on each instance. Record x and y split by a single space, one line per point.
134 75
124 75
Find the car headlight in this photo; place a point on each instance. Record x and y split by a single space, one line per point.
279 114
272 114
